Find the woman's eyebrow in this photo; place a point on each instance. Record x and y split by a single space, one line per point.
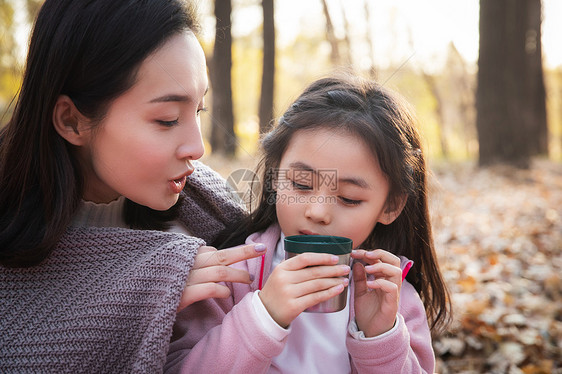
170 98
175 98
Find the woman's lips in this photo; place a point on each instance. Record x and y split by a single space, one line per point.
177 185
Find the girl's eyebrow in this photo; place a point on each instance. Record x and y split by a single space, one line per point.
356 181
301 166
359 182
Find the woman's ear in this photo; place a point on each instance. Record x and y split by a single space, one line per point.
390 213
69 122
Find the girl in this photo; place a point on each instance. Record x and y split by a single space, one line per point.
344 160
98 158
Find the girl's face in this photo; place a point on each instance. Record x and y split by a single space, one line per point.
330 184
143 146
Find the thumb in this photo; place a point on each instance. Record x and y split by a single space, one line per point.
359 280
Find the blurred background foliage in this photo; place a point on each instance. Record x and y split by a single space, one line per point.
339 35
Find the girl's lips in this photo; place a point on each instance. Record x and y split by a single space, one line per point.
306 232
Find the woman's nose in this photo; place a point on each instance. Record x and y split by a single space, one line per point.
191 146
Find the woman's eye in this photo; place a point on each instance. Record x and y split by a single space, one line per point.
299 186
168 123
204 109
347 201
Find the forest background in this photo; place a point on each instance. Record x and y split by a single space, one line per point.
496 189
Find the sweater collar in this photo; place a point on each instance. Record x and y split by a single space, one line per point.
100 215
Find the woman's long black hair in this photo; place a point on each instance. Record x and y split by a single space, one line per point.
89 51
383 121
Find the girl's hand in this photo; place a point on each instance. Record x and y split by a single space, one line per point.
376 301
211 267
301 282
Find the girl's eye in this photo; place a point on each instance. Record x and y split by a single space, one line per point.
347 201
204 109
168 123
299 186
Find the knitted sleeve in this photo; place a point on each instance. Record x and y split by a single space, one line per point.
104 301
209 205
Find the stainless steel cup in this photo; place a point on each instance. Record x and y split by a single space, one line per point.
336 245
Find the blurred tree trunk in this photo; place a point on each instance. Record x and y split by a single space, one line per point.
331 36
463 86
223 138
346 40
370 42
268 72
432 85
537 92
508 110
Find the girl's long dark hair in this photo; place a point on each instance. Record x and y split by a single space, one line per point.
89 51
365 109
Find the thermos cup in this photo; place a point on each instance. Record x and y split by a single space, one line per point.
336 245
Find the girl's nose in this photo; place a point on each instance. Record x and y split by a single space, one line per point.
318 211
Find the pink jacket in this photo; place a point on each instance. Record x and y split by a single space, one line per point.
225 335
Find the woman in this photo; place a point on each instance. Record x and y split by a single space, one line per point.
104 209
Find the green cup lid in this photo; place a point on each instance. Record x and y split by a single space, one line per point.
336 245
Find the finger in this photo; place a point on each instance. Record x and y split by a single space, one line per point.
309 259
312 299
204 253
205 249
382 255
218 274
384 285
359 279
319 272
198 292
212 257
358 253
317 285
382 270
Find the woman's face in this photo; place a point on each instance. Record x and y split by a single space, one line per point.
143 147
329 183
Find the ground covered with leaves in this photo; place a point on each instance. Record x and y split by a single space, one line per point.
498 234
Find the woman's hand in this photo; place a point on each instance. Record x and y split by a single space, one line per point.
301 282
211 267
376 301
